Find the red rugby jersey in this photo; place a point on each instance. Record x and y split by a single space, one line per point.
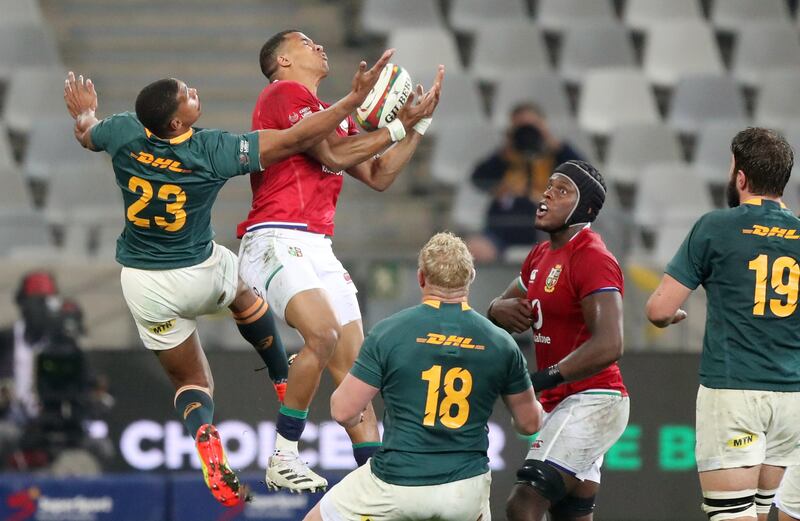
557 281
297 192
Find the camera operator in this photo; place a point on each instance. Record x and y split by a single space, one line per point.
516 175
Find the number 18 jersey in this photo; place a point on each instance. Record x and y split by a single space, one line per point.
169 186
440 368
746 258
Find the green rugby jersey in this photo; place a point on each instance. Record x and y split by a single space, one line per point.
747 260
440 368
169 186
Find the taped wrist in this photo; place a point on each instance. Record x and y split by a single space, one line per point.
422 125
396 130
547 378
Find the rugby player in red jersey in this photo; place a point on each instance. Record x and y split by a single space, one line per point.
286 251
570 293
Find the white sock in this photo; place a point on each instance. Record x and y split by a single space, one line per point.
284 445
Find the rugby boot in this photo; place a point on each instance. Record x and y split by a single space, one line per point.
280 390
219 478
286 471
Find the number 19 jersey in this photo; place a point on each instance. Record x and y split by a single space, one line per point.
440 367
169 186
746 258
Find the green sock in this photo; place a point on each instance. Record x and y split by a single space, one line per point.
257 326
195 407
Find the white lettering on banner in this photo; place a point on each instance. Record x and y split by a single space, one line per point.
72 507
147 445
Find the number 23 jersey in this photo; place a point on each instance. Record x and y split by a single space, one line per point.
556 281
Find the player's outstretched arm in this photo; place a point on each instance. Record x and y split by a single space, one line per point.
350 399
512 311
276 145
81 101
526 411
664 305
602 313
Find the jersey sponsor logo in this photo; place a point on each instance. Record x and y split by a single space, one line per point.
541 339
772 231
741 442
160 162
294 117
552 279
162 328
191 407
451 340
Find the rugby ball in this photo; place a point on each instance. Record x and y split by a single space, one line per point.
385 99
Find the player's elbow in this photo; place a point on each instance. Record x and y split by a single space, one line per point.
340 412
531 422
657 314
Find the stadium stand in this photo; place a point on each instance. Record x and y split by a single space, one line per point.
497 51
701 99
471 15
588 46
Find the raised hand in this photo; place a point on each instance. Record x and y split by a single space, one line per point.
79 95
426 102
365 79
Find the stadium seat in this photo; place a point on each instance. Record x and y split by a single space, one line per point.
498 51
469 15
733 15
6 154
52 148
21 11
641 14
545 89
468 213
614 224
675 49
763 46
712 156
26 45
15 192
632 147
668 239
778 102
20 228
669 193
591 45
460 101
81 195
569 130
458 149
557 15
34 93
420 50
704 98
615 96
385 16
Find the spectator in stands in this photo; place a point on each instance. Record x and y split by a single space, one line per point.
516 176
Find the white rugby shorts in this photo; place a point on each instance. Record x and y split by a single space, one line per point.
788 497
580 430
280 263
165 303
362 495
742 428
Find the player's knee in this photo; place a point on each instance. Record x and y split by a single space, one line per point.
321 341
544 479
522 505
729 504
572 507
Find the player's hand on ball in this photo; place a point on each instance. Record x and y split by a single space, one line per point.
512 314
426 102
79 95
365 78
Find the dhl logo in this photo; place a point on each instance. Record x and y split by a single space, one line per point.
774 231
160 162
452 340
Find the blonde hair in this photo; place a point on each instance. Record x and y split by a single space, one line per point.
446 262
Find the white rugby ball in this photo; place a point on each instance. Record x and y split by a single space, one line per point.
385 99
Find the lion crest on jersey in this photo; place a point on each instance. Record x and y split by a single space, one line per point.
552 279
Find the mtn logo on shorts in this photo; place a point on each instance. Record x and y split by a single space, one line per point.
771 231
163 327
452 340
366 518
552 279
741 442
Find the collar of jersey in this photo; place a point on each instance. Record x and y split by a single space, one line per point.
436 304
174 141
756 201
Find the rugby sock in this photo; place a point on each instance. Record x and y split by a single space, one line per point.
257 325
291 423
364 451
195 407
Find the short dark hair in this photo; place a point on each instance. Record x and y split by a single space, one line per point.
269 51
766 159
156 104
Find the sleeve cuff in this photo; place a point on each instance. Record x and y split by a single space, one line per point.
366 375
254 157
